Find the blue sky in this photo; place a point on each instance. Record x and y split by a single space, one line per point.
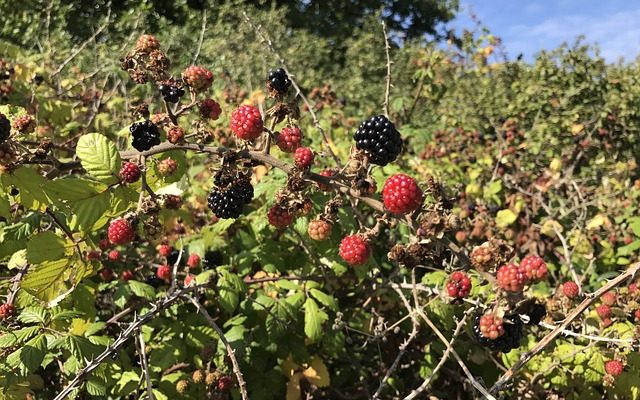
528 26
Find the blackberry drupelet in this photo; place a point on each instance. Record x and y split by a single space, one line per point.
513 333
171 93
279 81
229 202
379 139
145 135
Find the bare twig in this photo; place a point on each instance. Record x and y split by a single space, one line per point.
593 338
83 45
15 285
202 31
385 105
145 366
590 299
236 367
445 356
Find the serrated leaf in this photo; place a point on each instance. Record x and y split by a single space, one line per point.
46 281
99 157
33 352
34 315
314 318
96 387
45 246
143 290
324 298
11 338
229 286
31 186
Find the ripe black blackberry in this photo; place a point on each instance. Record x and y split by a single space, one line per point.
171 93
154 281
212 259
513 333
278 81
228 202
5 128
379 139
145 135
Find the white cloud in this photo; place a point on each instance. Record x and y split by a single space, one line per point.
617 34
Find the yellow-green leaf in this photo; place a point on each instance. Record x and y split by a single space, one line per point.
99 157
505 218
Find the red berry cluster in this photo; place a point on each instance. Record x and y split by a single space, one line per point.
164 272
210 108
130 172
459 285
354 249
120 231
193 261
534 268
246 122
570 289
279 217
7 311
614 367
167 167
289 139
197 78
401 194
304 157
491 326
511 278
175 134
319 229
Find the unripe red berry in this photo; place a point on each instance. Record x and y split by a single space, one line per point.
104 244
106 274
354 249
225 383
401 194
175 135
534 268
120 231
636 315
164 272
459 285
289 139
327 173
197 78
130 172
93 255
279 217
609 298
210 108
24 124
633 288
189 279
319 229
246 122
164 250
193 261
304 157
603 311
114 255
614 367
491 326
147 43
7 311
511 278
167 167
570 289
127 275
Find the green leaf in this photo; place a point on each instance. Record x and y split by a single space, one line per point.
46 281
31 186
33 352
45 246
314 318
230 287
143 290
324 298
19 336
34 315
505 218
99 157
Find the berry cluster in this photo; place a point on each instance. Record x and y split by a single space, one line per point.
246 122
229 201
304 158
24 124
379 139
7 311
319 229
401 194
498 334
171 92
197 78
279 217
175 135
278 82
145 135
289 139
5 128
167 167
129 172
459 285
513 278
354 249
120 231
210 108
